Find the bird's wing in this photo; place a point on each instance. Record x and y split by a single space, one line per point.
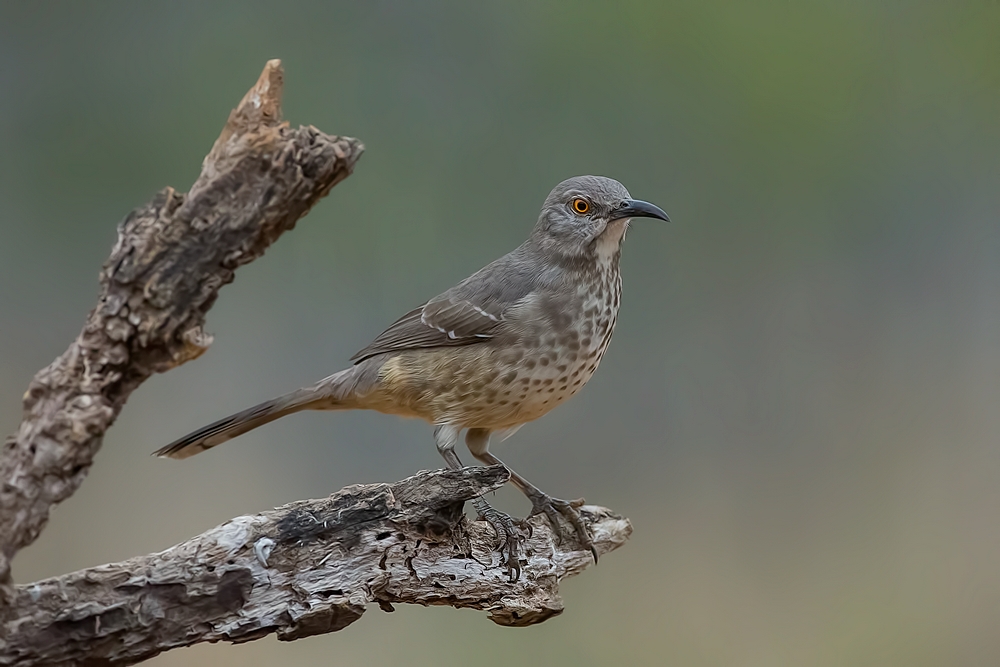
441 322
468 313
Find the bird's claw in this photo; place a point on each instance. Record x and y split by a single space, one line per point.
553 508
507 534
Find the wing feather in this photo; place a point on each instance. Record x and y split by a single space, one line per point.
469 313
441 322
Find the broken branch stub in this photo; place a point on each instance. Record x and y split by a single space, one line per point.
164 273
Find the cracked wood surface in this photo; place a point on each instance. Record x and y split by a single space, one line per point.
306 568
164 273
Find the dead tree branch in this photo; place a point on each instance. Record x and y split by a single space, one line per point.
306 568
299 570
164 273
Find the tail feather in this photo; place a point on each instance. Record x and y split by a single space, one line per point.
340 391
218 432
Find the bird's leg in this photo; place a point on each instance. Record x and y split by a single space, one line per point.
446 437
478 441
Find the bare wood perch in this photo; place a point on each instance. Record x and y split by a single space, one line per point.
303 569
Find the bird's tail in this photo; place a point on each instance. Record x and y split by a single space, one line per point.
329 394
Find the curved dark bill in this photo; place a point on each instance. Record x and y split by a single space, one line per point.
636 208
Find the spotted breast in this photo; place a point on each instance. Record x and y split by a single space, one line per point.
568 355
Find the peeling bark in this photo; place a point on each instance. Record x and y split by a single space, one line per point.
307 568
164 273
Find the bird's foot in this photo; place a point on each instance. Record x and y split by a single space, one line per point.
553 508
508 535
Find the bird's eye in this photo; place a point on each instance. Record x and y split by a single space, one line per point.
581 206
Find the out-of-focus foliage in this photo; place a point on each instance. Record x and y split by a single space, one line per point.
799 408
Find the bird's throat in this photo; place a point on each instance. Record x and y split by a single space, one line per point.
608 245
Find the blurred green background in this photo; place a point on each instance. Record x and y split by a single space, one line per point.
799 409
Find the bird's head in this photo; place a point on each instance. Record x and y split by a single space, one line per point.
586 216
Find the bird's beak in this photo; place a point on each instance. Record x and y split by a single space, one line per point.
636 208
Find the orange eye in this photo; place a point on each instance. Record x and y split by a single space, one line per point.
581 206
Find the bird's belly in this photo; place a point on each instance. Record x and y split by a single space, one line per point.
499 384
480 389
542 388
541 378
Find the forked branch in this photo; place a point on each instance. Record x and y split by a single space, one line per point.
164 273
303 569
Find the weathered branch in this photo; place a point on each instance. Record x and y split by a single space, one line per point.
303 569
164 273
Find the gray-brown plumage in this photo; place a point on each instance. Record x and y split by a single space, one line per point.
502 348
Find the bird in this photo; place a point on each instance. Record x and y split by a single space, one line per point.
501 348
